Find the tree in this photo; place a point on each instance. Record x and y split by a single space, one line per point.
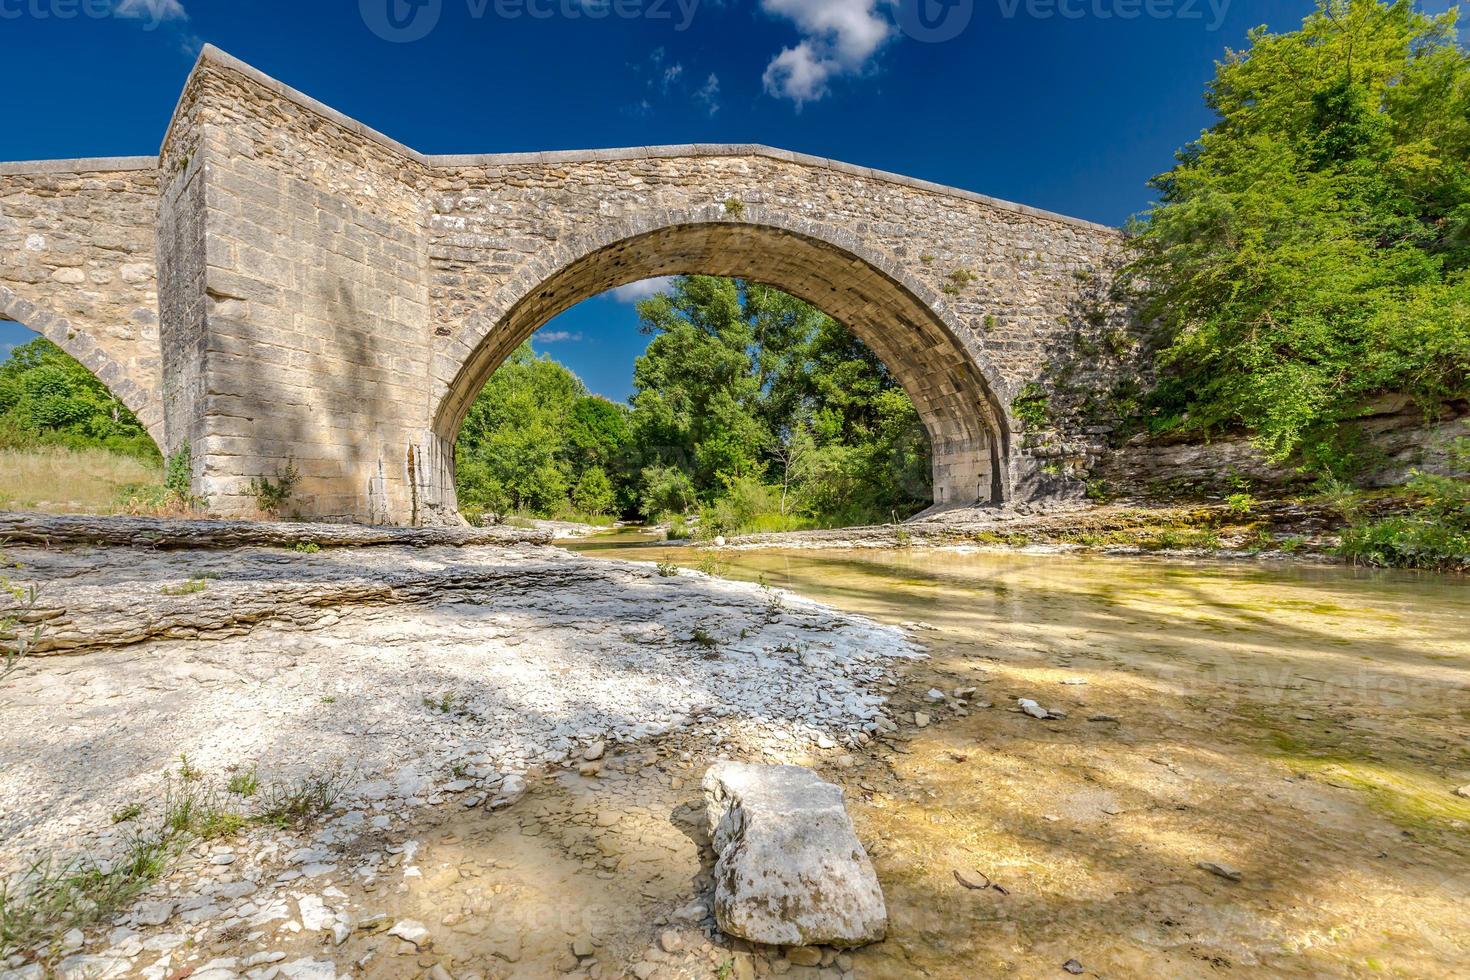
745 383
530 435
594 493
748 403
1310 250
48 398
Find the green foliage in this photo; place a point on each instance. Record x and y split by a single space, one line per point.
43 901
750 406
594 492
246 783
667 490
271 496
1240 504
1031 406
957 281
186 588
1311 250
47 398
1435 534
532 437
178 474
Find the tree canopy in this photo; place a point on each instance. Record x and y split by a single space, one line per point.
49 398
1309 251
748 403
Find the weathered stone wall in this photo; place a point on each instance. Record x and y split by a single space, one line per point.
77 266
1394 439
314 333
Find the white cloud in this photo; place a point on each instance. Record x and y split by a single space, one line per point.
635 291
708 94
838 37
153 11
558 336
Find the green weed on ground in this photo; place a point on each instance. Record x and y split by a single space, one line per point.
54 895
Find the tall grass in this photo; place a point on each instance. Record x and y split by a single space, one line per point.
63 480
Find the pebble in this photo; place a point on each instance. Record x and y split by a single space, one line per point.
1223 870
410 931
595 751
669 941
921 719
804 956
1463 791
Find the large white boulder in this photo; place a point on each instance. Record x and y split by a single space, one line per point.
790 869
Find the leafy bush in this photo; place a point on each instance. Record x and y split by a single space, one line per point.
1031 406
1435 534
1311 250
594 492
271 496
666 490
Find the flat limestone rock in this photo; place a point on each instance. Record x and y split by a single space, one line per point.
790 869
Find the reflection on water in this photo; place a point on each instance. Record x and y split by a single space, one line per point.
1279 605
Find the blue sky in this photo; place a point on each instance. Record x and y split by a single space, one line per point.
1069 105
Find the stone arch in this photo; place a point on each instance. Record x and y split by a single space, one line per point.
931 353
60 331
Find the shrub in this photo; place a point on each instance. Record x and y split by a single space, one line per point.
273 495
1435 534
1031 406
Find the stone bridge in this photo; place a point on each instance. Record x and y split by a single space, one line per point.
283 284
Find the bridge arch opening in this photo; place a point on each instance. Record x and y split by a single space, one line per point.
905 325
68 442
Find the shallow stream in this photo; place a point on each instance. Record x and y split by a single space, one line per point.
1304 727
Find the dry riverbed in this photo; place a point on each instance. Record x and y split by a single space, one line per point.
512 741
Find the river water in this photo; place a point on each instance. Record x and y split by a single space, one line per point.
1299 727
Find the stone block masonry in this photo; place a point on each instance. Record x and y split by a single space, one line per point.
284 287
